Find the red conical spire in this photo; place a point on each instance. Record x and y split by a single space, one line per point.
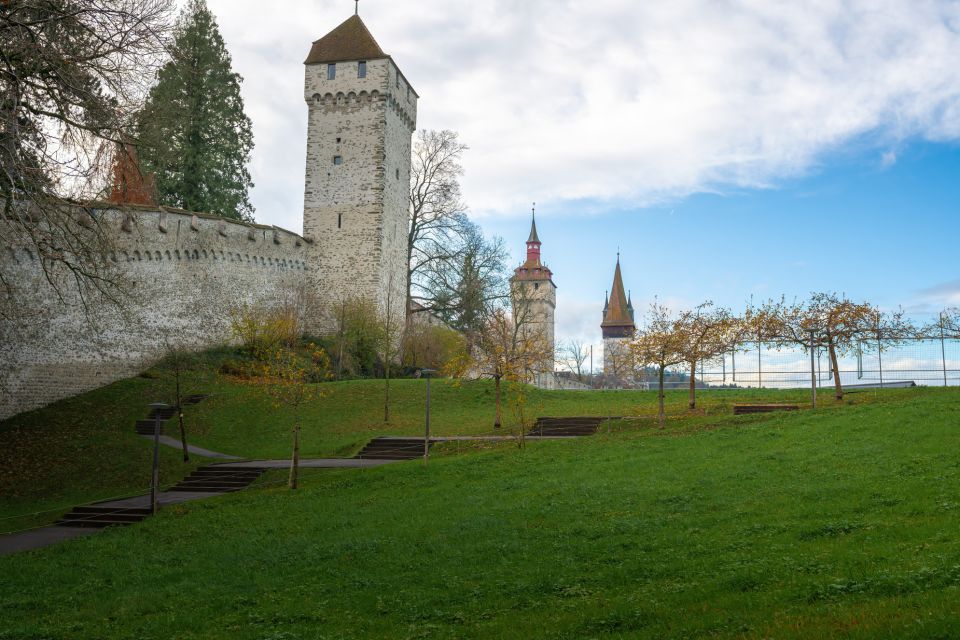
533 242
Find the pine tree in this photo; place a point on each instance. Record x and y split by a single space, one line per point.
194 134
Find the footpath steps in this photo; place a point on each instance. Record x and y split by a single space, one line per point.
746 409
566 427
391 448
219 479
146 426
96 516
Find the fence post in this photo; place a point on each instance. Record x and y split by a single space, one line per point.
943 350
733 364
813 372
759 364
880 356
723 359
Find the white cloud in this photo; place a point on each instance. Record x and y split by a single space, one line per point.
613 99
888 159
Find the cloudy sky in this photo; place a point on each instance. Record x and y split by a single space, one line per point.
728 149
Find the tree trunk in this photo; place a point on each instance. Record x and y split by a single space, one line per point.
386 397
693 384
836 371
295 460
183 432
496 422
661 416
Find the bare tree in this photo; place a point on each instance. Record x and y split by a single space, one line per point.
575 354
389 336
437 211
72 74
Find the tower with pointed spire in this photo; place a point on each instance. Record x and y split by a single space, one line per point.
362 112
534 298
618 326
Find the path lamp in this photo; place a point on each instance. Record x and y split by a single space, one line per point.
158 408
426 436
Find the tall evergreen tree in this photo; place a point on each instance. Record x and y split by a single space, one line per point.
194 134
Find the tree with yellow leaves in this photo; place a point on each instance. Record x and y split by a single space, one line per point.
660 343
290 378
832 322
507 349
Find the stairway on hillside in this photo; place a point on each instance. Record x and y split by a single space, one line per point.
566 427
98 516
219 478
391 448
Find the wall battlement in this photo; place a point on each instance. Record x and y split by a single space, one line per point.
184 273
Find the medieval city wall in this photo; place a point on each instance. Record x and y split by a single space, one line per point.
183 274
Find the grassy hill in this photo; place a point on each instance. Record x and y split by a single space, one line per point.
835 523
84 448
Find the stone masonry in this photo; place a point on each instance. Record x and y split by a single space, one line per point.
356 208
185 272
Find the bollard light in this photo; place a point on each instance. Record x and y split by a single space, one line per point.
157 407
427 373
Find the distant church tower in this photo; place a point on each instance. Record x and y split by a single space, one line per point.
618 327
534 295
362 113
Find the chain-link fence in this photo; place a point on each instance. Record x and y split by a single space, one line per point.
932 359
921 361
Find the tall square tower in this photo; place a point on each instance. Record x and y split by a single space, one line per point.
534 300
362 113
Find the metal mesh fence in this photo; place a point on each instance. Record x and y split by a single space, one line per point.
922 361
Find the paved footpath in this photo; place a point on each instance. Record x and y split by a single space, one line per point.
45 536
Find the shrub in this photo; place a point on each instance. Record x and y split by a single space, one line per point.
262 332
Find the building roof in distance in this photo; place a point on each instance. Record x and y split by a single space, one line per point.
533 231
349 41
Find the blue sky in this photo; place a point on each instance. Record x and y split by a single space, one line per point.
729 149
883 232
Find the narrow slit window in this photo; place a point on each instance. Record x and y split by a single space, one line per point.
337 160
331 71
362 69
339 220
398 174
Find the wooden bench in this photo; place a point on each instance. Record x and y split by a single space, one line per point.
744 409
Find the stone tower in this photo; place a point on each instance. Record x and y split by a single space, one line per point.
534 297
618 328
361 115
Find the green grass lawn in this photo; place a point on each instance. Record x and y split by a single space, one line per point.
84 448
840 522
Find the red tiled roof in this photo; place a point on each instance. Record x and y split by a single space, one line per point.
349 41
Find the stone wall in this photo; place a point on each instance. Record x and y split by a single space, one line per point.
184 273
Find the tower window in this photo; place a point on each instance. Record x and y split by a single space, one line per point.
331 71
338 140
362 69
339 220
338 160
398 174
